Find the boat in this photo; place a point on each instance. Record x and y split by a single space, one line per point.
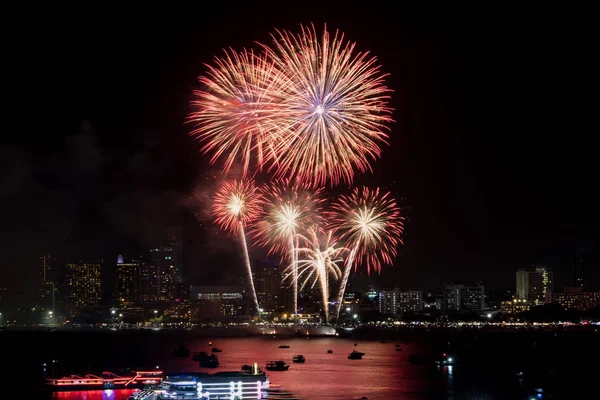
284 346
355 355
221 385
299 358
199 356
445 360
252 369
398 348
209 362
329 351
397 345
383 341
355 344
108 380
181 351
216 350
277 366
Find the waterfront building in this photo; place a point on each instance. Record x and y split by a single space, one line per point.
220 302
84 283
514 307
128 281
465 296
574 298
397 301
535 285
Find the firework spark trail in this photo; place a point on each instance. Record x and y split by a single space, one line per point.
238 115
318 257
248 267
288 212
336 113
235 204
369 222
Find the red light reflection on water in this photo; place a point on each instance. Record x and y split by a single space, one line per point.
107 394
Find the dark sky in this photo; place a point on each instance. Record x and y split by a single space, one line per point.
490 149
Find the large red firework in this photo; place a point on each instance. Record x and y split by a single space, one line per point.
337 113
239 113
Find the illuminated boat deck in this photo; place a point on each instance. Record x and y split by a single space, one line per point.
108 380
221 385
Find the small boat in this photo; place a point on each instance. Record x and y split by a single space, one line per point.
210 362
398 348
383 341
329 351
277 366
202 355
181 351
355 344
252 369
284 346
397 345
355 355
216 350
445 360
299 358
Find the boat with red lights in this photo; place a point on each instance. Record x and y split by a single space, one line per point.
108 380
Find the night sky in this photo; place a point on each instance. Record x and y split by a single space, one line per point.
489 150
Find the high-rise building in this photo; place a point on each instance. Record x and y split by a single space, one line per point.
467 296
396 301
579 267
128 281
83 282
535 285
169 255
157 282
270 292
48 268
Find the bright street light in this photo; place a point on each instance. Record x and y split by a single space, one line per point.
112 312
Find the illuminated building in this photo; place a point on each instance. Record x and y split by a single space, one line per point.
48 281
128 281
578 268
220 302
350 304
514 306
535 285
575 298
48 268
83 281
168 256
467 296
272 294
157 283
398 301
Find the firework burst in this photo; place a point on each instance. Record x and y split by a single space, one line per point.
369 224
237 115
336 113
234 205
288 211
318 258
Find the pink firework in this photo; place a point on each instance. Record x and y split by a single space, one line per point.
236 203
368 223
238 115
337 113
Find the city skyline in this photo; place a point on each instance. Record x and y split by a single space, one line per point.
464 157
